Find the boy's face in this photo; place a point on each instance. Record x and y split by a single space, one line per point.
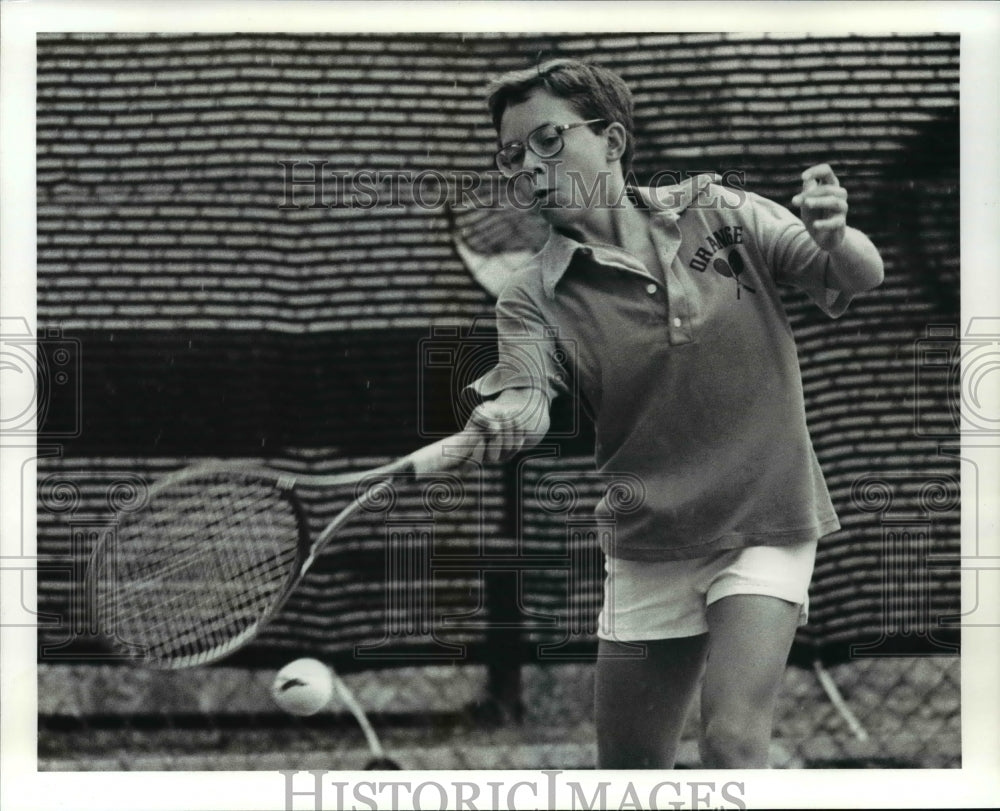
562 185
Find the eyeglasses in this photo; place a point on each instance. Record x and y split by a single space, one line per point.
546 142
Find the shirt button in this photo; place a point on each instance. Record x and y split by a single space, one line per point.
651 289
677 322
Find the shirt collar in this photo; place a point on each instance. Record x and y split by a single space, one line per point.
669 201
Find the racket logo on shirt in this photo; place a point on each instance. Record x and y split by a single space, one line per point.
732 270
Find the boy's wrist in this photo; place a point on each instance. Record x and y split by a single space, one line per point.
854 265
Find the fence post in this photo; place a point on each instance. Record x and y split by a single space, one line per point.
504 645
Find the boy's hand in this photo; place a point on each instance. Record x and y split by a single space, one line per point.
823 206
509 423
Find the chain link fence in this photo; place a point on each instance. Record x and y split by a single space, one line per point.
902 712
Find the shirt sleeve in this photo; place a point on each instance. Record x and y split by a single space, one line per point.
529 353
792 256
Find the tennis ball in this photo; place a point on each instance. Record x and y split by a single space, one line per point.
303 687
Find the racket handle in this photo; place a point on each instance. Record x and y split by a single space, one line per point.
445 454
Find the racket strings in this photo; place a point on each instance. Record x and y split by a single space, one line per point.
201 509
199 567
215 593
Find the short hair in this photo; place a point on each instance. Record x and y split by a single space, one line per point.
593 91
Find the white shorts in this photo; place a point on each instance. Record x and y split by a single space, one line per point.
646 600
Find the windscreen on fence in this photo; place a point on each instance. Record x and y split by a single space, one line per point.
256 247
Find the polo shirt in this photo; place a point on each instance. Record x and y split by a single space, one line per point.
690 375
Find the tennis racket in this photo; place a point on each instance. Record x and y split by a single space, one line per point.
216 550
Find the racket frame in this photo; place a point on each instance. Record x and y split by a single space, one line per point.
306 553
430 459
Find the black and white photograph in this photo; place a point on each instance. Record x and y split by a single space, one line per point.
557 405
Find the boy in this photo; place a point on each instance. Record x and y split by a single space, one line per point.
686 363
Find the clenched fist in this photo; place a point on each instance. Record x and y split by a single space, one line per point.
823 206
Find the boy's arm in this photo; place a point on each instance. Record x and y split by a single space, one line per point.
853 262
517 392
